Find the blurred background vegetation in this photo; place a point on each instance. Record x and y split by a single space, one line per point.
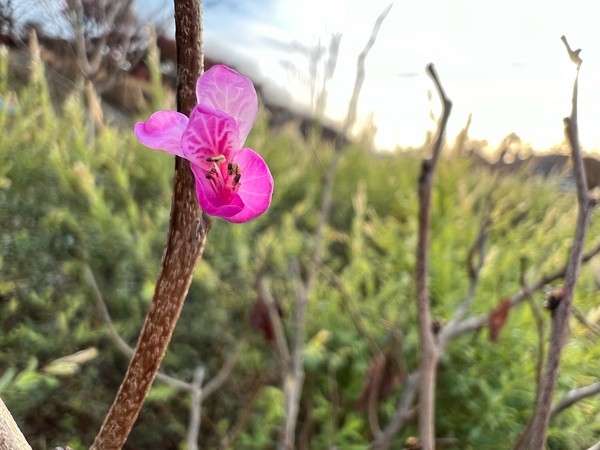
82 204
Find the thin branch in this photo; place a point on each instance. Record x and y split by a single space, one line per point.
360 71
429 351
574 396
404 413
295 380
188 229
195 408
561 314
246 413
292 386
280 342
215 383
478 322
539 322
91 65
326 201
581 318
222 375
475 260
353 310
372 401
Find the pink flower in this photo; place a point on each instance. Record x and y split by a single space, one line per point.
231 182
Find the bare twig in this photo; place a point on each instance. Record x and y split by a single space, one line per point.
404 413
561 314
222 375
186 240
360 71
339 144
539 322
353 310
91 65
429 351
475 261
215 383
478 322
574 396
292 386
586 323
195 407
278 334
246 413
294 381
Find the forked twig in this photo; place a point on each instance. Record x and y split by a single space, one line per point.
561 314
429 350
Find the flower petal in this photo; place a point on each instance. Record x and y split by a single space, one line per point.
162 131
209 133
226 90
215 202
256 189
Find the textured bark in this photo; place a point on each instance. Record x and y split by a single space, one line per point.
185 243
11 437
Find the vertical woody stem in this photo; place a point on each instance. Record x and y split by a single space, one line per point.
186 240
430 351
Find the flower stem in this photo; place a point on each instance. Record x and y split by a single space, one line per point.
186 240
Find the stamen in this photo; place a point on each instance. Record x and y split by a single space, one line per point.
236 179
233 168
216 159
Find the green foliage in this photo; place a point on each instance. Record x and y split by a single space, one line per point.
69 201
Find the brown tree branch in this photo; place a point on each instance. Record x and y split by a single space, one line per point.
186 240
561 314
574 396
429 350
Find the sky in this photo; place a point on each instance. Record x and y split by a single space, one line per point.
502 62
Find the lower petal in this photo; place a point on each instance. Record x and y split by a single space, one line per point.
256 189
213 201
